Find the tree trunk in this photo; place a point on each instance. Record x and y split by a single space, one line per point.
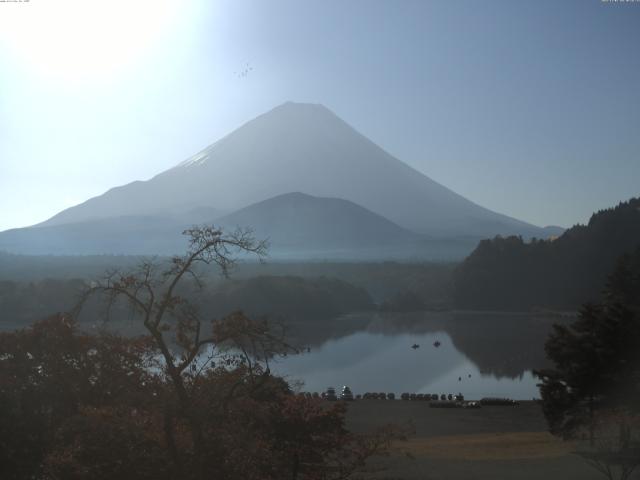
185 405
591 422
295 467
170 439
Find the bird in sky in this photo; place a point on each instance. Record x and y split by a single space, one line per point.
244 72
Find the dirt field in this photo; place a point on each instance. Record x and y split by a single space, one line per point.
456 444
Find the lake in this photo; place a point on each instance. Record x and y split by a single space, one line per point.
479 354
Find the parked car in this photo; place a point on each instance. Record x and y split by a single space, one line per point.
496 401
444 404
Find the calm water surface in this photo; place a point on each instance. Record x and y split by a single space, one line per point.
480 355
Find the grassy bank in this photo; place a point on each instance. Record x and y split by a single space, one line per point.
456 444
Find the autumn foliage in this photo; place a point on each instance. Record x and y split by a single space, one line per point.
193 399
80 406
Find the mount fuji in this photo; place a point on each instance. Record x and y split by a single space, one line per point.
294 147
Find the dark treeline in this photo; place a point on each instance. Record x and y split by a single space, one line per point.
33 268
593 388
511 274
431 281
285 298
31 288
22 303
288 297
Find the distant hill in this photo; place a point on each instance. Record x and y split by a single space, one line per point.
291 298
512 274
298 227
131 235
288 298
300 148
551 231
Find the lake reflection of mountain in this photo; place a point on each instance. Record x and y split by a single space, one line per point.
479 355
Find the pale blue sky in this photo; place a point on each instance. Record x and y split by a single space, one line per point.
530 108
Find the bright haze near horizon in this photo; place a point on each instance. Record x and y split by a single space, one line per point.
531 109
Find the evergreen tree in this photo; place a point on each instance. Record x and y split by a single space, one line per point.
597 358
563 273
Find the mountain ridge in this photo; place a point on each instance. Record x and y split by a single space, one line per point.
298 226
300 147
299 221
562 274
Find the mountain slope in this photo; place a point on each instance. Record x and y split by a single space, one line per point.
298 226
131 235
297 220
510 274
300 147
295 224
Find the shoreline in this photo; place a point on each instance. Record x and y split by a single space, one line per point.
492 442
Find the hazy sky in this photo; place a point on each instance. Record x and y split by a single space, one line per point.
530 108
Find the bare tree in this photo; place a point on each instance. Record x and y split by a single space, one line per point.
615 450
151 290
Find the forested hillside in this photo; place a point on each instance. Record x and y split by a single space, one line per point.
288 298
511 274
